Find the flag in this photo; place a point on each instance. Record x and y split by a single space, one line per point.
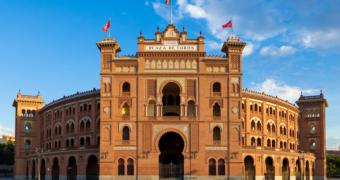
228 24
167 2
106 27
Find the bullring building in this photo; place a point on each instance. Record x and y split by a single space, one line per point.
170 112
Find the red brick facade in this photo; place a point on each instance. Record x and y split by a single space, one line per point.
170 111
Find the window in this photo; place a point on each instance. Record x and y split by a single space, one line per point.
268 143
252 125
212 167
126 87
221 167
121 170
82 141
88 125
312 129
216 110
312 144
88 141
259 142
82 126
253 143
217 135
259 126
216 87
273 143
126 134
130 168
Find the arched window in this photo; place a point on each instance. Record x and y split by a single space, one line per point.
259 142
259 126
252 125
253 141
273 128
72 128
82 126
268 143
125 110
126 133
130 167
88 141
268 128
221 167
126 87
216 87
88 125
67 128
171 100
82 141
72 142
212 167
273 143
216 110
121 165
217 134
284 131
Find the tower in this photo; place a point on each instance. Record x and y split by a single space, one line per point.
26 130
108 48
233 49
312 130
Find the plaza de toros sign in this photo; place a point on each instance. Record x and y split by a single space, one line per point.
171 46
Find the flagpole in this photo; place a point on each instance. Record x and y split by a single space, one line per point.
109 28
170 11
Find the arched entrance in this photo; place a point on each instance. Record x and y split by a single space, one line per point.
298 170
249 168
55 169
72 168
171 100
92 168
307 171
33 169
171 160
42 169
285 169
270 173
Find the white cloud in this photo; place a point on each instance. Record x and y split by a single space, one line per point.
146 3
282 90
195 11
277 51
328 38
249 49
217 12
213 45
6 130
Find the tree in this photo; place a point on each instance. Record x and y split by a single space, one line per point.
7 153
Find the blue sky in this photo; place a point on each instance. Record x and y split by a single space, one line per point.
49 46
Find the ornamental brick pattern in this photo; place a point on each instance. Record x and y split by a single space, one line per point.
170 111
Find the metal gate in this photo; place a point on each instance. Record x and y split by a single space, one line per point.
250 173
270 175
171 170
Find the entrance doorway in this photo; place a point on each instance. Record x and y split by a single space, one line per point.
171 160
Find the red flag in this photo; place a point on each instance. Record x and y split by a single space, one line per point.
106 27
228 24
167 2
